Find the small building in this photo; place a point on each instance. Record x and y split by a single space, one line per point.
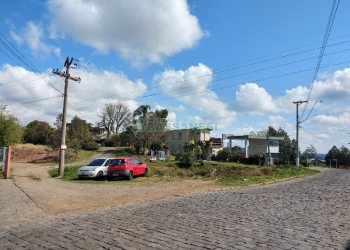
213 146
177 139
256 144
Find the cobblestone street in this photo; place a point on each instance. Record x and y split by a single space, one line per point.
310 213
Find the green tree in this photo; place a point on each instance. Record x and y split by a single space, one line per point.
287 147
79 136
38 132
309 153
150 127
342 155
11 131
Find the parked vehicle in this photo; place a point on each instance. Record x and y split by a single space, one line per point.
126 167
95 169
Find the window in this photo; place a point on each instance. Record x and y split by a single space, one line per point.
107 162
117 162
180 135
97 162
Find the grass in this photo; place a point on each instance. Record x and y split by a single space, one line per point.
225 173
35 178
234 177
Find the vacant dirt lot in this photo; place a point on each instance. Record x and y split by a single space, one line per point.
50 196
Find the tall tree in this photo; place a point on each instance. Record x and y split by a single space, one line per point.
38 132
309 153
115 117
150 126
11 131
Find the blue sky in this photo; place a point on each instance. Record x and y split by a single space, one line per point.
231 63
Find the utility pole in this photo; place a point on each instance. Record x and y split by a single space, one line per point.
297 127
67 76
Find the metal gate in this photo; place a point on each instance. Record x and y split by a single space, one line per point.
2 158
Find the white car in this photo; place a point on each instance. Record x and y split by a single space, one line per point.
95 169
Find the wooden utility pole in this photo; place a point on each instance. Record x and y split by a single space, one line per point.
67 76
297 127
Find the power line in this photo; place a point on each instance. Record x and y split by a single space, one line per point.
20 57
323 47
220 79
229 85
42 99
167 83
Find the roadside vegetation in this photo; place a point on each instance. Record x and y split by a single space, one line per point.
225 173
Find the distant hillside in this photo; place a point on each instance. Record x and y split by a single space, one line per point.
321 156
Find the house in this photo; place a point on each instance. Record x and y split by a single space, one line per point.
177 139
213 146
256 144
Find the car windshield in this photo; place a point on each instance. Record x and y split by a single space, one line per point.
118 162
97 162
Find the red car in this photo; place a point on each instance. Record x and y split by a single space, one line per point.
126 167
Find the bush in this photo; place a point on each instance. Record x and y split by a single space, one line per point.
222 156
187 160
255 159
112 141
89 144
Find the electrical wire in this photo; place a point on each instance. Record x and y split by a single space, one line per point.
323 48
7 44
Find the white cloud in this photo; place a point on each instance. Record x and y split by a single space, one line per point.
335 87
331 120
138 30
19 86
254 100
33 36
191 88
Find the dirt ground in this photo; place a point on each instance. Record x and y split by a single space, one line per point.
55 196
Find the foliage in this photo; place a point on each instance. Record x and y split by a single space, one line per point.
288 147
11 131
149 127
115 117
79 136
127 137
124 152
235 176
113 141
255 159
39 132
187 159
222 155
309 153
342 156
224 173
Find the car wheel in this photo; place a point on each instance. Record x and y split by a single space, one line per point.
99 174
131 176
146 172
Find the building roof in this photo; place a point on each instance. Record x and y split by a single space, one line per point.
191 129
257 137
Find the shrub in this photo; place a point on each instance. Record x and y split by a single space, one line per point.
112 141
222 156
187 160
89 144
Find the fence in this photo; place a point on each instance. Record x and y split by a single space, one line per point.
2 158
5 153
